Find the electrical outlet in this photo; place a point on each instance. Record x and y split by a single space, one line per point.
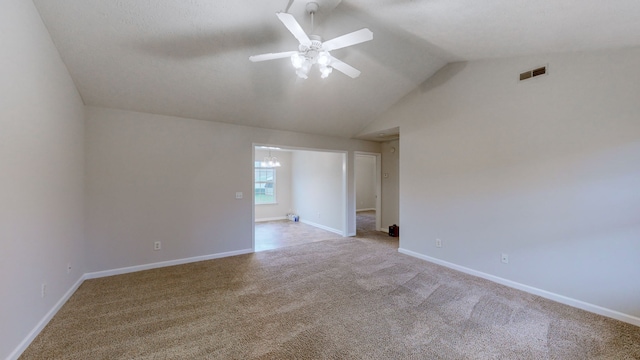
43 290
68 268
157 245
239 195
438 243
505 258
318 215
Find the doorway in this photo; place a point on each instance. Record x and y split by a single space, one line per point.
367 170
301 200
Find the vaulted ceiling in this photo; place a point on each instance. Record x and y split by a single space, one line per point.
191 58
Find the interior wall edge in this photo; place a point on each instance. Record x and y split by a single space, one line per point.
24 344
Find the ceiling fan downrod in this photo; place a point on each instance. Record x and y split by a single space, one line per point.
312 8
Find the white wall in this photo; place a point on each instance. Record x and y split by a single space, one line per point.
390 183
41 186
318 189
283 187
161 178
546 171
365 182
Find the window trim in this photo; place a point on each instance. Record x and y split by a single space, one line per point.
258 166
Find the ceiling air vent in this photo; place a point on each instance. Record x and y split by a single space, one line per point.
533 73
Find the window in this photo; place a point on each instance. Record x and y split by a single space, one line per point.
265 185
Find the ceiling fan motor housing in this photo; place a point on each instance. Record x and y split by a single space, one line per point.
311 52
312 7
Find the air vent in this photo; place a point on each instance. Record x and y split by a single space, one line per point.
533 73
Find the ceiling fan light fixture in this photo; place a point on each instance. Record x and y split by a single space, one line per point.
323 58
325 71
303 70
302 73
297 60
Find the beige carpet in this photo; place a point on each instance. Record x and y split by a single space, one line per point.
347 298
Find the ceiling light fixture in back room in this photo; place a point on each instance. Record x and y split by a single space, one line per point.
312 50
270 161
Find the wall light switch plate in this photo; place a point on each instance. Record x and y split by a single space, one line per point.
239 195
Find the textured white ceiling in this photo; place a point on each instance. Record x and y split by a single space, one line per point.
190 58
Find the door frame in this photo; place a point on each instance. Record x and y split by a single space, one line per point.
378 176
345 189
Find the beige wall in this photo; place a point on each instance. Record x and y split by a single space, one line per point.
391 183
545 171
160 178
318 189
365 182
41 186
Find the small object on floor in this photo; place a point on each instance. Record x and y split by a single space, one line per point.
394 230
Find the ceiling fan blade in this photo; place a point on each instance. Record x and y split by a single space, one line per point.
290 22
344 68
271 56
349 39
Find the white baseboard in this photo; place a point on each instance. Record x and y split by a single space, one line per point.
532 290
130 269
369 209
94 275
44 321
272 219
323 227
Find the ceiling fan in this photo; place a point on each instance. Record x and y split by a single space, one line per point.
312 50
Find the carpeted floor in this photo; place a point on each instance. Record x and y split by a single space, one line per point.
342 298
